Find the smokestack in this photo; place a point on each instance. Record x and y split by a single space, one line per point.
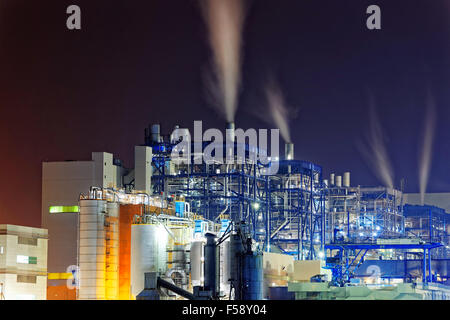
289 151
339 181
332 179
346 180
325 182
156 133
230 131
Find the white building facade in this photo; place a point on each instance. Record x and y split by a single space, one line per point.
23 263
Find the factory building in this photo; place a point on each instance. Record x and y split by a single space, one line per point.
23 263
171 230
62 183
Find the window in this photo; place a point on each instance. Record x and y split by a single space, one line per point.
26 279
63 209
27 241
26 259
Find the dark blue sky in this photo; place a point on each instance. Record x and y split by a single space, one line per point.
66 93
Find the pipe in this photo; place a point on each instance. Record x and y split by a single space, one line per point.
169 286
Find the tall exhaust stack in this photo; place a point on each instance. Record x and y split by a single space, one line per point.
230 131
346 179
338 181
289 151
229 140
332 179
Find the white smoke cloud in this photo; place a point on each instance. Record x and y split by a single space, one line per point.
426 149
225 21
278 109
374 149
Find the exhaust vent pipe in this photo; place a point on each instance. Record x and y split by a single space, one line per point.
332 179
346 181
289 151
338 181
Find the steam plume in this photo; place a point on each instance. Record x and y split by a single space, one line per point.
427 146
225 20
375 149
278 109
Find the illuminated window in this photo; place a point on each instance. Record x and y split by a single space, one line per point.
26 259
63 209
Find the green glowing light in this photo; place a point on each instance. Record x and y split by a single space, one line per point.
63 209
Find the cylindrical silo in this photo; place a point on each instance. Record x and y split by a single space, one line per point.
346 180
236 250
92 249
148 253
252 276
196 260
211 266
225 267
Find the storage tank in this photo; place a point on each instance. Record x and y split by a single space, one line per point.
92 250
236 249
225 274
252 276
211 266
196 260
148 253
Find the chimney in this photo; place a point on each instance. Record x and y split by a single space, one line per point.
289 151
346 181
339 181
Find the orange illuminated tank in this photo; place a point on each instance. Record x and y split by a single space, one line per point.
127 212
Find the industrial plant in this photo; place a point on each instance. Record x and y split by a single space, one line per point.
238 218
168 229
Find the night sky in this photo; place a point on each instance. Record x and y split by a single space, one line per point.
64 94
